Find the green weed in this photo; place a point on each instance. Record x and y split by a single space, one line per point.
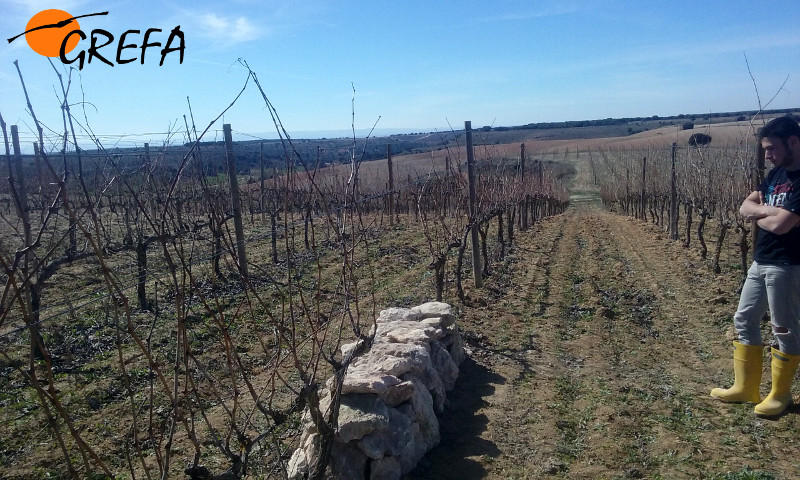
745 474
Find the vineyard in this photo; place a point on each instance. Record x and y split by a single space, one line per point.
160 317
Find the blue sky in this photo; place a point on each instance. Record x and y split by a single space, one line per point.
415 65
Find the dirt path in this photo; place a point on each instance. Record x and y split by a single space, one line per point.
593 358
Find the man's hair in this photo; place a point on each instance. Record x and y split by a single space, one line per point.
781 127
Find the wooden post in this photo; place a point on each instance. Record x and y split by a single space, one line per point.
236 201
141 273
273 213
37 159
673 200
16 180
72 248
524 209
263 187
391 182
152 204
643 206
476 253
628 198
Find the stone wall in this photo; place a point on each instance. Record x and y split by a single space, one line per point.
390 397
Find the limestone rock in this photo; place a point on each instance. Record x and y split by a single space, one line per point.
444 365
397 314
359 415
368 382
347 461
386 468
298 463
397 394
391 359
436 309
407 332
389 441
390 395
455 347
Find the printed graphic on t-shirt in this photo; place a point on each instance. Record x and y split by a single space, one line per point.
778 193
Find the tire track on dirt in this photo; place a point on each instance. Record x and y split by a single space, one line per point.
542 373
569 355
622 348
582 393
670 380
604 326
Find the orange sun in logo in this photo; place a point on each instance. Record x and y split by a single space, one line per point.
47 41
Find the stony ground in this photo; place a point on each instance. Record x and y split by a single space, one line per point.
592 354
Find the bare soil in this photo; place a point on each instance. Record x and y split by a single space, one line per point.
592 356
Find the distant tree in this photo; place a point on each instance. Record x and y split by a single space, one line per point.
698 139
687 126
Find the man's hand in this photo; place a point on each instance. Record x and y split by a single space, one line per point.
771 219
753 207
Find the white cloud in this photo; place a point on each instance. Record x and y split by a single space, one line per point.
556 9
228 30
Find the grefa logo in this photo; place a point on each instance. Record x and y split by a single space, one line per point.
56 33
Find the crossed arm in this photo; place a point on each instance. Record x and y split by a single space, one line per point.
771 219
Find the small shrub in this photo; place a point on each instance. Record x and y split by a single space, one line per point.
698 139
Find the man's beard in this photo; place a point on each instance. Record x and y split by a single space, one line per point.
788 158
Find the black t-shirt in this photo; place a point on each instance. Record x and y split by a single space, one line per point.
781 189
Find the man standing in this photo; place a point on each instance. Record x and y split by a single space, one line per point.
773 280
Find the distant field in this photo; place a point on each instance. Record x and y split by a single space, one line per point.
375 172
721 134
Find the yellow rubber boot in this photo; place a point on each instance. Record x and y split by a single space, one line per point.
784 367
747 361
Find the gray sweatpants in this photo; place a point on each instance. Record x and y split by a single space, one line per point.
776 287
